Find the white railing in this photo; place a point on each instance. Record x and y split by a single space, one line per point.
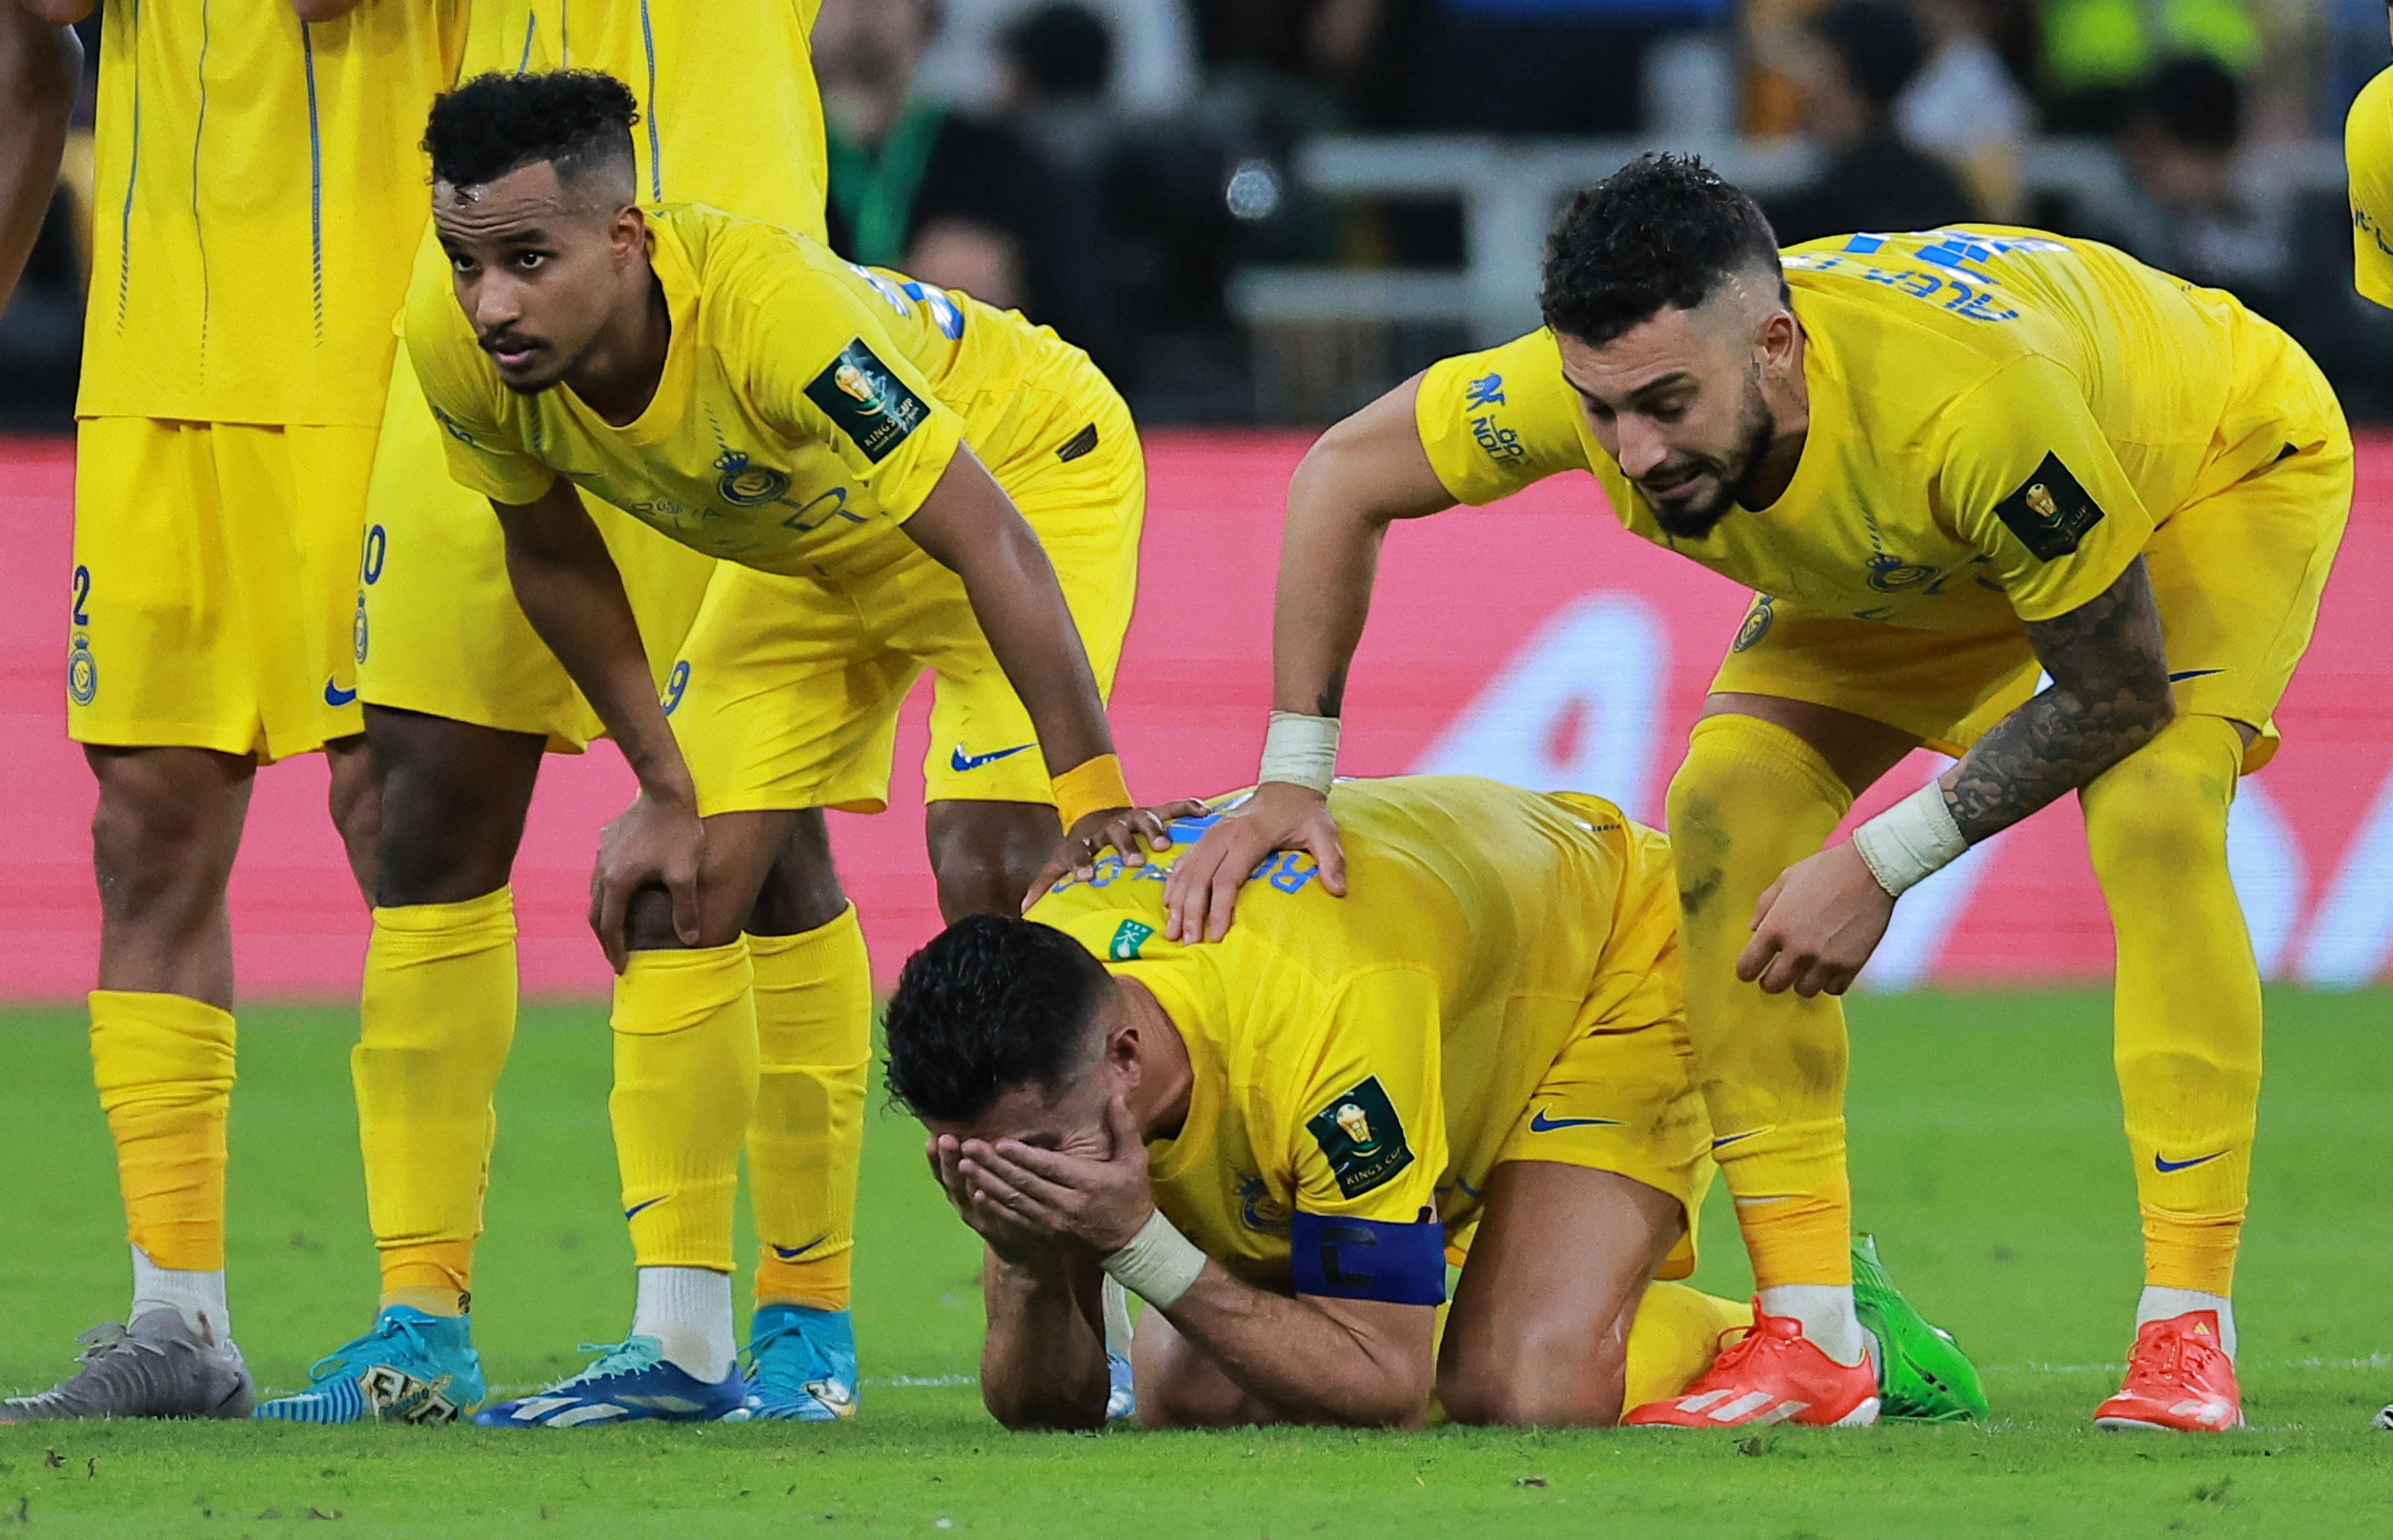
1510 190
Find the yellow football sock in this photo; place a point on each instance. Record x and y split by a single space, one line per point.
684 1089
435 1020
2186 1023
1677 1332
814 1036
1751 801
164 1068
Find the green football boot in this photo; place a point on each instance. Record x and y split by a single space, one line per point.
1923 1376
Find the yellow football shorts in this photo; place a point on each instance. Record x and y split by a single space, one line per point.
2235 574
214 565
786 693
437 629
1622 1095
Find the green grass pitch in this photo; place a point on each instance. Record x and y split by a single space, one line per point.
1986 1155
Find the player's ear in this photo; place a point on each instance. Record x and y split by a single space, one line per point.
627 235
1777 342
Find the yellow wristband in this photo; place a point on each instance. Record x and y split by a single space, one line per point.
1091 786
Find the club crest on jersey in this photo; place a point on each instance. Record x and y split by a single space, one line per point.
2050 512
1892 574
1362 1138
1127 937
1754 626
743 485
83 672
867 402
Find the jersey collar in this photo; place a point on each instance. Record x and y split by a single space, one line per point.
669 259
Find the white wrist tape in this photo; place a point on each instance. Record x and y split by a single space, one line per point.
1301 750
1910 839
1159 1265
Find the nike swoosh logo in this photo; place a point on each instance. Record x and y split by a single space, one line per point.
636 1207
791 1253
1540 1124
2185 674
1730 1139
960 762
336 695
2165 1165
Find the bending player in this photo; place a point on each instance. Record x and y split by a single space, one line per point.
1276 1140
735 385
235 351
462 701
2368 157
1945 460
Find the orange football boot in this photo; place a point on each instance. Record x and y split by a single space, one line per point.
1775 1374
2179 1377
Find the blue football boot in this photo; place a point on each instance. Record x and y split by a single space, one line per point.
802 1364
630 1382
1120 1400
412 1368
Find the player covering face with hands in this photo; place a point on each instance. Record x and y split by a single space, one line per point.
1279 1142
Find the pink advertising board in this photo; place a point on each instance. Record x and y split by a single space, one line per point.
1533 641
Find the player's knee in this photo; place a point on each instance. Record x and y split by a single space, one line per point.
801 891
985 854
448 807
648 924
1524 1390
2159 810
156 841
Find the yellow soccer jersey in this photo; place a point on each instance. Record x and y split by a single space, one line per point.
1365 1059
729 115
2368 159
807 408
260 189
1999 420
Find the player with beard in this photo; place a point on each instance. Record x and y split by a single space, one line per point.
1945 460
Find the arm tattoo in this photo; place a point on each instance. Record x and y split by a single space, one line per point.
2109 697
1332 697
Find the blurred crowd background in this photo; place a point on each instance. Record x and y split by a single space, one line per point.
1268 211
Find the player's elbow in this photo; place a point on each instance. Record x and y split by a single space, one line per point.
1324 479
1398 1402
1023 1411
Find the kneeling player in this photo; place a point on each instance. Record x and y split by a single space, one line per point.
736 386
1277 1141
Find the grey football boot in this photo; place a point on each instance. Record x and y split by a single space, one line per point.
158 1367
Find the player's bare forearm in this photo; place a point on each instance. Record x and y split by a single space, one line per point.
1358 478
971 527
1350 1363
59 13
2109 697
41 63
573 595
1043 1363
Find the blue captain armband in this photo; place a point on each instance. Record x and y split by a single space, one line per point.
1368 1259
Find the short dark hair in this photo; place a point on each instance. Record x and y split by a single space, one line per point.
2196 103
992 1003
1663 230
580 120
1878 44
1064 51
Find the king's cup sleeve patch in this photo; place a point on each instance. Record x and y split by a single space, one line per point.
867 402
2050 512
1362 1138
